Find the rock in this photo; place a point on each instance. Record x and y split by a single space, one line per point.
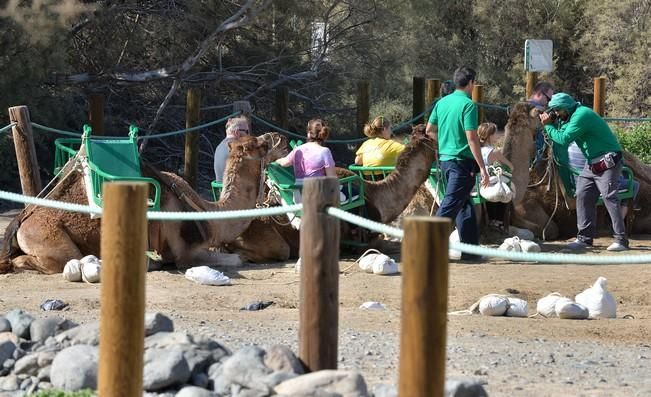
7 349
5 325
9 363
164 368
200 380
383 390
157 322
45 358
75 368
198 360
18 353
193 391
281 358
43 328
20 322
246 368
340 383
9 336
44 373
9 383
278 377
464 388
87 334
26 384
27 365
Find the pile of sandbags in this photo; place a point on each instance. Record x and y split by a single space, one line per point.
594 302
87 269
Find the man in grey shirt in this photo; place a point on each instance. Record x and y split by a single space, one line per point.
235 128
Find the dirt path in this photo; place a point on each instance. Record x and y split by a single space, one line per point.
528 357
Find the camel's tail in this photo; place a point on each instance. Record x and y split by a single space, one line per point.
10 247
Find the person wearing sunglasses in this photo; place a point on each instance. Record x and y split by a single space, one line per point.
542 94
235 128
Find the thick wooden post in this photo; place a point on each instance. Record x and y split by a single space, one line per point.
478 97
96 112
431 93
418 98
319 293
30 178
281 107
599 100
363 107
122 321
532 80
192 117
424 307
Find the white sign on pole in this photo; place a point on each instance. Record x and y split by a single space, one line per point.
538 55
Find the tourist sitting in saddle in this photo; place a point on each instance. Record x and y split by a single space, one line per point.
312 158
380 150
577 161
568 121
235 128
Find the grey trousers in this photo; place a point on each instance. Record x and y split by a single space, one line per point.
588 188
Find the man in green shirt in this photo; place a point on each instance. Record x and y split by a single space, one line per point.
454 118
600 176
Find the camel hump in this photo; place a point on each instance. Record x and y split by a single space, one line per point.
10 244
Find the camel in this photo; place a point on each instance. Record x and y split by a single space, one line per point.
385 201
44 239
543 188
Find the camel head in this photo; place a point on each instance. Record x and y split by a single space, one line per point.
519 145
278 145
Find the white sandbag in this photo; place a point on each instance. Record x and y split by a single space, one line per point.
89 258
516 244
297 266
90 271
529 246
72 270
454 238
517 307
493 305
567 309
523 234
547 305
373 261
372 306
367 260
498 190
600 303
207 276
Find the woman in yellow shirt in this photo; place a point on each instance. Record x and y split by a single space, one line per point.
380 150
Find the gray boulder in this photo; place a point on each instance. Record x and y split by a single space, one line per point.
5 325
20 322
7 349
27 365
281 358
75 368
339 383
164 368
246 368
44 373
464 388
157 322
45 358
87 334
9 383
193 391
43 328
383 390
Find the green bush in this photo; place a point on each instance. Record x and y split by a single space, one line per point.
59 393
637 140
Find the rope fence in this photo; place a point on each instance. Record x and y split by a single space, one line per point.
543 257
7 127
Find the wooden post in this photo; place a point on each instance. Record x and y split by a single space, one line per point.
363 107
418 98
96 112
532 80
122 321
281 108
192 118
319 292
431 93
30 178
424 307
478 97
599 100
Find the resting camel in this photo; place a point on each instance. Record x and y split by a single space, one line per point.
44 239
385 201
542 186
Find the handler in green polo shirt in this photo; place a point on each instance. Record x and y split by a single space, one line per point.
580 124
454 118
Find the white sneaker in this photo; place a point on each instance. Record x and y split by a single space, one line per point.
617 247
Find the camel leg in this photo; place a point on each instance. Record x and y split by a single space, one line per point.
261 243
47 251
534 218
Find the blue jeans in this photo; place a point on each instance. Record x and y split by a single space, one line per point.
456 205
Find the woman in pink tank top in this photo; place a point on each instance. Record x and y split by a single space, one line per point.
311 159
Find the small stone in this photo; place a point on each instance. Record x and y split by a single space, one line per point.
45 358
481 371
383 390
157 322
335 382
246 368
200 380
44 373
43 328
9 336
9 383
464 388
9 363
27 365
87 334
20 322
25 384
5 325
75 368
281 358
164 368
193 391
6 350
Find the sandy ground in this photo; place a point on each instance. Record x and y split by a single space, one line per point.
514 357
